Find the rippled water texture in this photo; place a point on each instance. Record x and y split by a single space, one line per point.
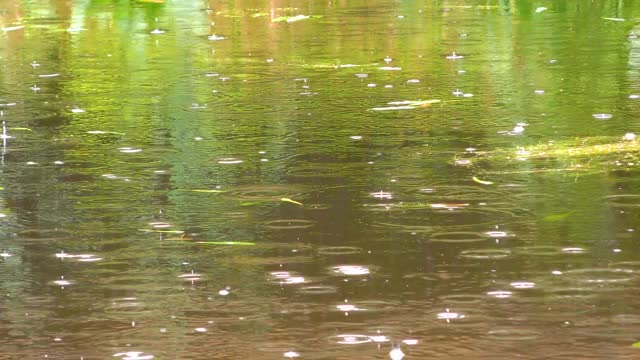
319 180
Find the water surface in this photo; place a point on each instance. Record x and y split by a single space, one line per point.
207 180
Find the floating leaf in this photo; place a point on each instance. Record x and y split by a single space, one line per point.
483 182
291 201
636 344
1 188
20 128
207 191
557 217
237 243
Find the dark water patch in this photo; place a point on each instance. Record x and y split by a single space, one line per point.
263 192
44 234
339 250
456 300
288 224
458 237
600 276
623 201
513 334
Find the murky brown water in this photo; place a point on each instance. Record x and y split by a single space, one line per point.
200 180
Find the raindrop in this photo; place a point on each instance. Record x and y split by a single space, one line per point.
396 353
523 285
448 315
351 270
454 56
214 37
351 339
133 355
62 282
382 195
634 96
500 294
602 116
230 161
291 354
482 254
224 292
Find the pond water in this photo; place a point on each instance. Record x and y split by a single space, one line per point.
319 180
